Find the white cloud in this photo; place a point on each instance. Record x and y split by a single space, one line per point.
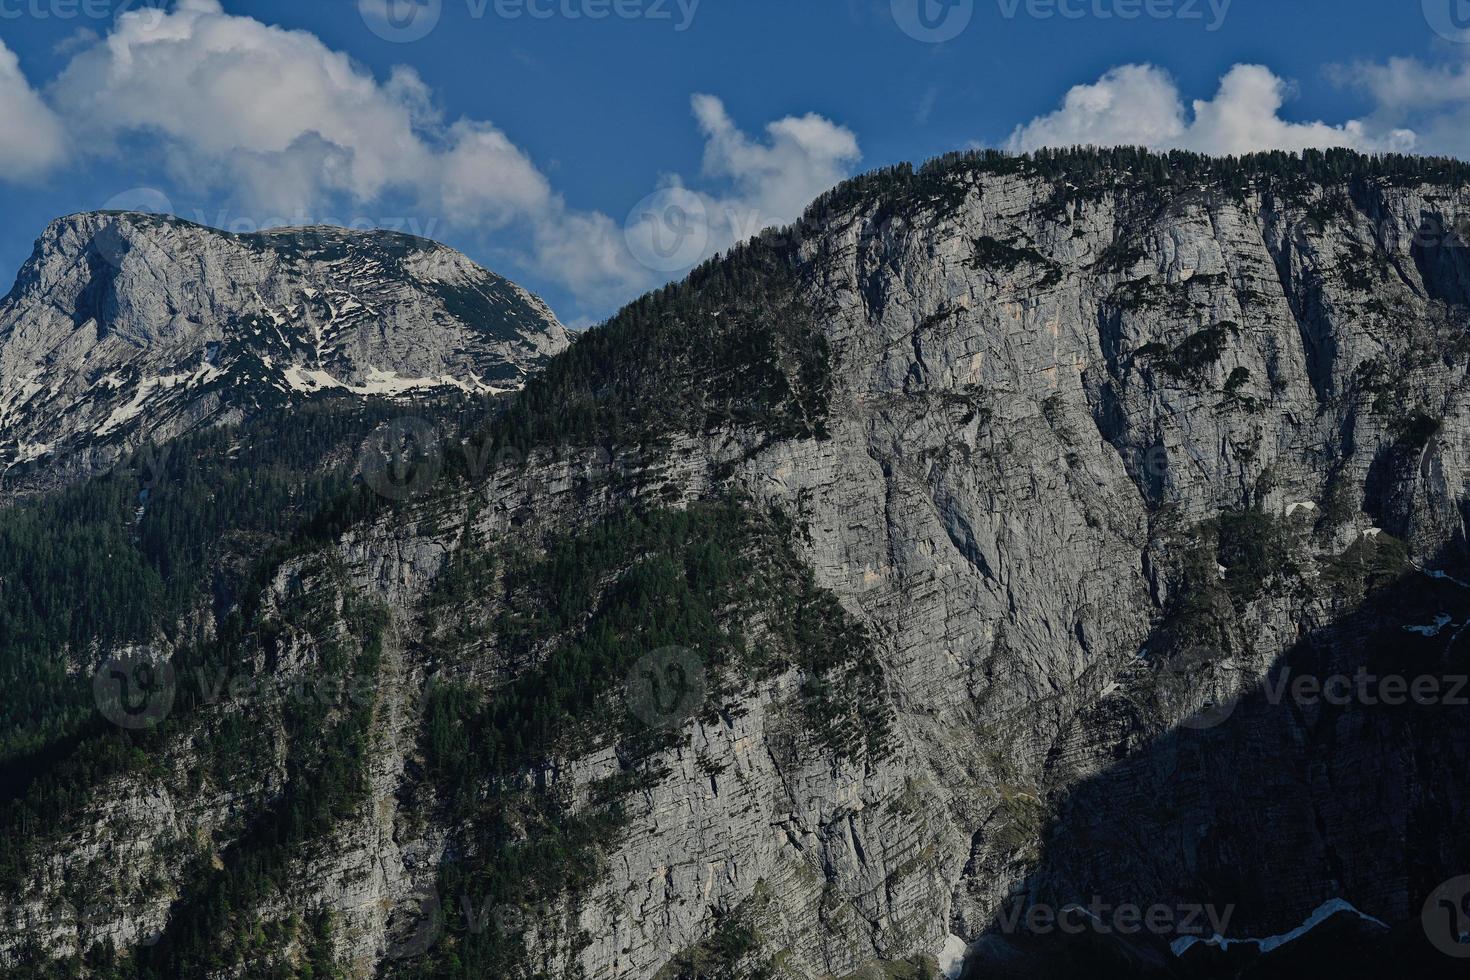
773 181
273 111
1141 105
1245 116
32 140
487 179
766 182
286 127
1432 100
1136 105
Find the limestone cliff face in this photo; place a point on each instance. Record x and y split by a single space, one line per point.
124 328
1093 455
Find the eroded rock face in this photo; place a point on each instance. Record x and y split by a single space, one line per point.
1048 409
127 328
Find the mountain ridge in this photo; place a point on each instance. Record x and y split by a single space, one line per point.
124 327
1043 486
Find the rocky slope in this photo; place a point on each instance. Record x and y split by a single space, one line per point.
126 328
929 562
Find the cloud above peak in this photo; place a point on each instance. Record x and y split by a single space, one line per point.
32 140
1141 105
275 123
801 157
271 111
271 123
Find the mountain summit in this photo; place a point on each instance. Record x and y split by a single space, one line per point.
126 327
919 588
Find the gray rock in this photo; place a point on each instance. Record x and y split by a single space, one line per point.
124 329
1039 415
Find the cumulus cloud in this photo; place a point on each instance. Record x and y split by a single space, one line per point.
775 180
286 127
755 184
1141 105
291 127
32 140
271 111
1432 100
1135 105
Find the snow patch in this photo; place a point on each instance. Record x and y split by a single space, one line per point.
12 403
33 450
381 382
148 388
1440 622
1324 912
951 957
1305 505
1445 577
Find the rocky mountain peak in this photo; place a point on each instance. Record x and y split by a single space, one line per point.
124 327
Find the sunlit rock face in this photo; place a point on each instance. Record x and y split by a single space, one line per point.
125 328
1088 457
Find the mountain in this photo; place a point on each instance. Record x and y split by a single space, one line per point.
124 329
945 559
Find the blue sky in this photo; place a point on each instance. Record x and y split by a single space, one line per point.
530 141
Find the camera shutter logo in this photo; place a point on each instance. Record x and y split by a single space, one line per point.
933 21
401 21
112 243
1450 19
402 459
1181 681
668 231
666 686
1446 917
134 692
